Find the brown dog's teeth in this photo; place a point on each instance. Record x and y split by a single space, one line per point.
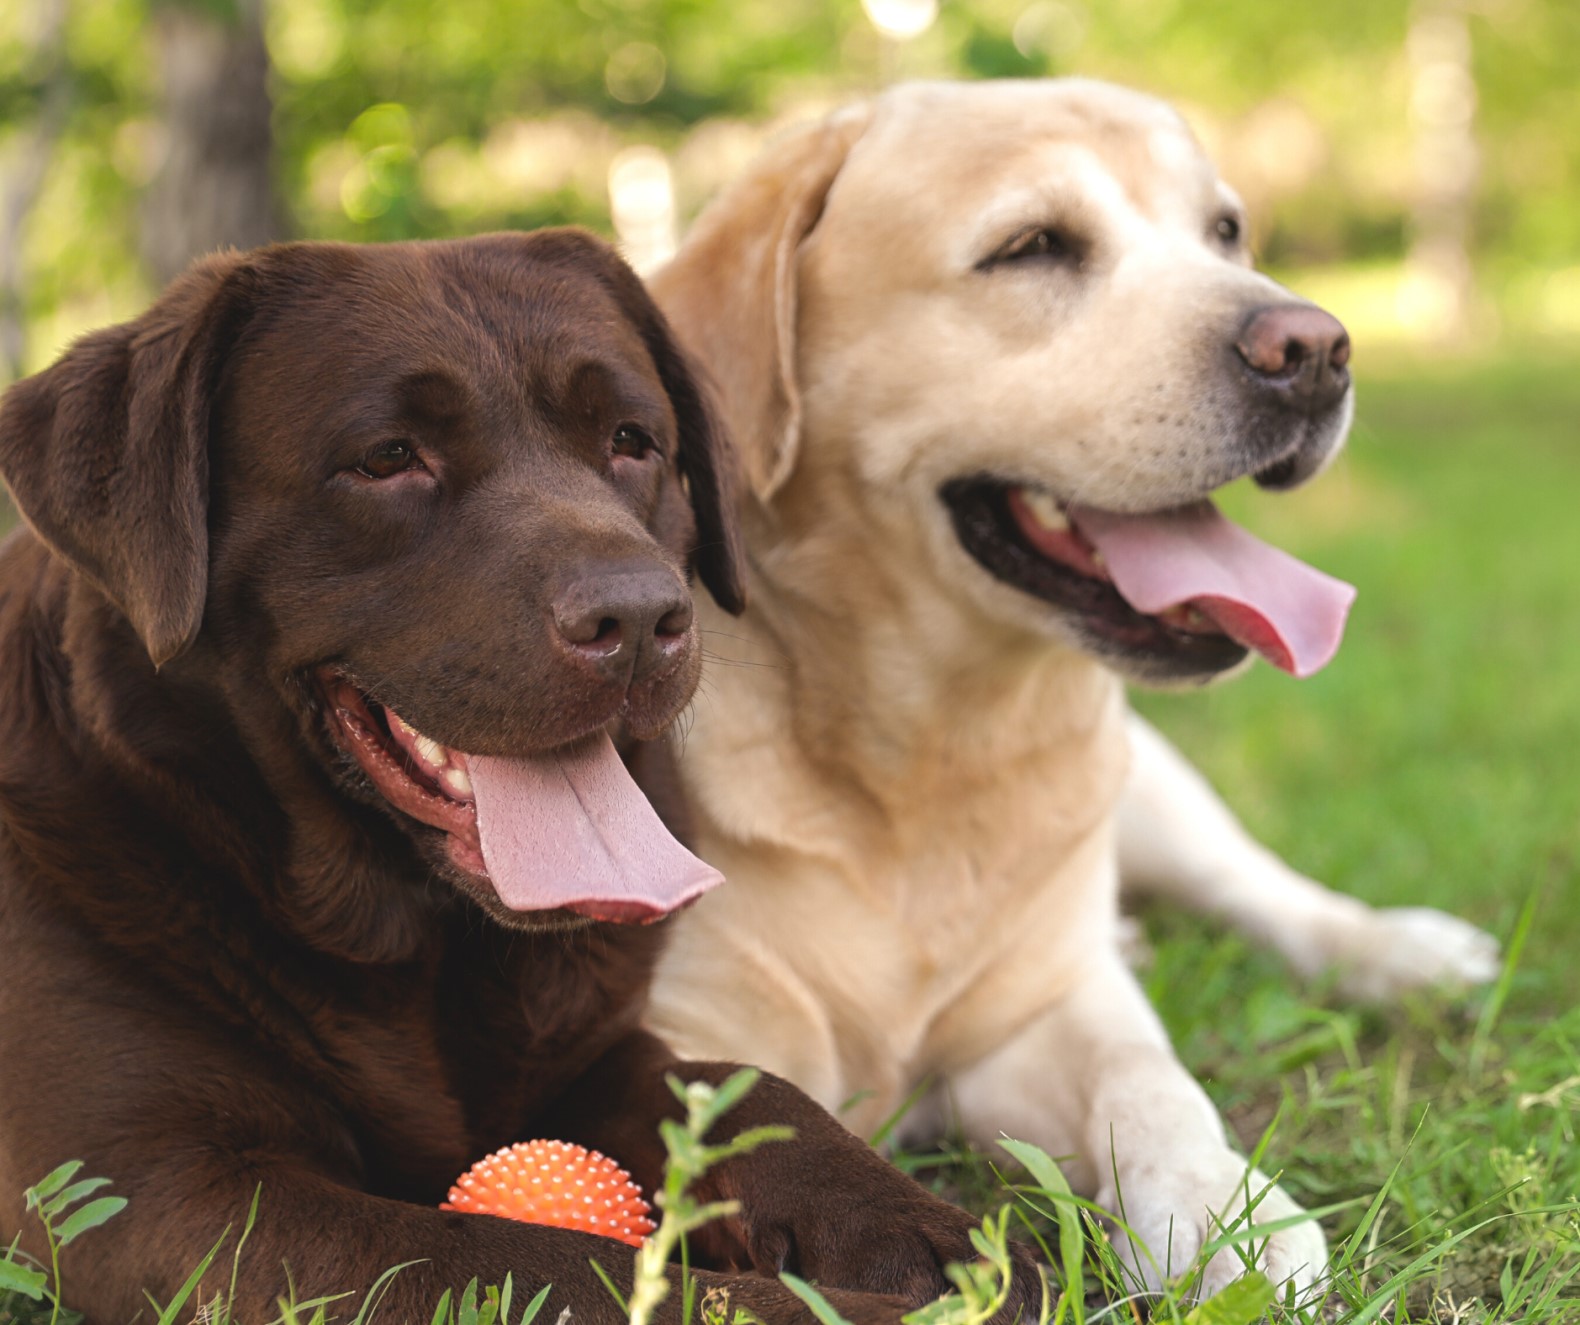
427 750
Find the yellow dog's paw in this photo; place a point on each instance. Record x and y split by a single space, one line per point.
1170 1225
1388 953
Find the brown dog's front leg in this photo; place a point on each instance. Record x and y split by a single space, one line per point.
316 1237
825 1205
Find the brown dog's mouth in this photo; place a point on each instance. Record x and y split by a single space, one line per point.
1173 594
413 772
561 830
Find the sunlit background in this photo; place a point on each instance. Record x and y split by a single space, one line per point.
1415 165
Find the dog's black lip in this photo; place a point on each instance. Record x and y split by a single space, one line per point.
419 775
1279 474
1283 471
317 683
978 506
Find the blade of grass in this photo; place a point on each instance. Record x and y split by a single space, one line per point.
1237 1303
375 1294
886 1128
820 1306
530 1313
615 1293
1493 1008
167 1315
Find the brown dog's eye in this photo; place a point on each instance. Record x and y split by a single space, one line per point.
388 459
631 441
1228 229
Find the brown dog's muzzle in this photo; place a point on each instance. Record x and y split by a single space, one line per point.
624 622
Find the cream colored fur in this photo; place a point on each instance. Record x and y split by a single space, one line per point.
908 770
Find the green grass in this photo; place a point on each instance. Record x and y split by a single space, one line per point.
1433 763
1437 761
1431 760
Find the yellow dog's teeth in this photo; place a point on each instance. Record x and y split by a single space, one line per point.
1044 509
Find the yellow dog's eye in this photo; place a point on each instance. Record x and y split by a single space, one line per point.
1038 244
1228 229
1044 243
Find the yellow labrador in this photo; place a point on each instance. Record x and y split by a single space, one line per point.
986 349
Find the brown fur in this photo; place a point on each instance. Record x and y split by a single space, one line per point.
225 962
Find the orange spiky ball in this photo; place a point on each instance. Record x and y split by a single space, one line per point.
555 1183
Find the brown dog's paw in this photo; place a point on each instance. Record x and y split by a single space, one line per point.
896 1250
940 1235
831 1210
721 1296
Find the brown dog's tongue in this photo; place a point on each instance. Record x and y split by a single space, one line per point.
571 829
1264 598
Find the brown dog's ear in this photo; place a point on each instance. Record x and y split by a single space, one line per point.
706 462
731 290
106 452
705 459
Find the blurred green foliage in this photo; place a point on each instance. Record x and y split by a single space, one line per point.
402 118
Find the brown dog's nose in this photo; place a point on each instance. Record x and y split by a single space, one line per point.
1298 351
624 622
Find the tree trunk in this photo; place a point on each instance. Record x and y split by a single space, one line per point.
1442 113
25 180
216 187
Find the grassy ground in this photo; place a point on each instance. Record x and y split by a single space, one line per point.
1435 762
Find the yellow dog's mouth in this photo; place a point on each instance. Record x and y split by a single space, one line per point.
1172 594
1064 569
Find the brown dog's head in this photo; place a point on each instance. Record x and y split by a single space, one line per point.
978 337
419 515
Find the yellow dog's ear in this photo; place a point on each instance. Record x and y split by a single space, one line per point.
731 291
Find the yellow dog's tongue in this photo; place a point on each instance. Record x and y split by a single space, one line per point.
571 829
1265 599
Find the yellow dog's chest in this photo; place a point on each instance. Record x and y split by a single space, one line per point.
859 975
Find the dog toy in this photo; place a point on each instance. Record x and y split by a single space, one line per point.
555 1183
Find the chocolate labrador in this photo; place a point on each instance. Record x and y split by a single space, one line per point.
341 561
